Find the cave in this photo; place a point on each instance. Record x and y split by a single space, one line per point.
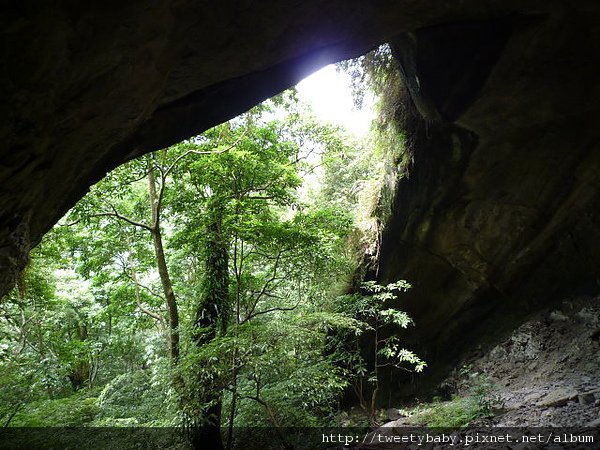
499 216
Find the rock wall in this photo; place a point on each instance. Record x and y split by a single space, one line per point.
500 215
530 379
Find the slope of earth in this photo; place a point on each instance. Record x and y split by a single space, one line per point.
548 371
544 374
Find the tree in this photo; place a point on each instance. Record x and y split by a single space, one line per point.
386 350
242 190
102 204
216 222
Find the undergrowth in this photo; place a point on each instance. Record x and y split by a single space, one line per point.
75 410
131 399
479 403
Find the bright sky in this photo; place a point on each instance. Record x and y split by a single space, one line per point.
328 92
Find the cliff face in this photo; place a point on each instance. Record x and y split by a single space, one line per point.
501 210
501 213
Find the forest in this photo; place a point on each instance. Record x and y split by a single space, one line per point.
215 285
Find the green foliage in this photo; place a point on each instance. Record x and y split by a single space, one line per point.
225 233
389 154
278 364
480 387
384 346
138 398
370 72
457 413
75 410
478 403
18 388
371 308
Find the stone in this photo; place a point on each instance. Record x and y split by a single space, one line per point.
586 399
593 423
558 397
393 414
558 316
588 315
532 397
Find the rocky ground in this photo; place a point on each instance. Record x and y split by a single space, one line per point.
548 371
546 374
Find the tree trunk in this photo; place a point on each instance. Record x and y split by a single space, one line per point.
372 410
80 375
163 271
165 279
212 316
233 406
274 422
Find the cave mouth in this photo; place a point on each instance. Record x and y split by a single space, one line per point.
218 239
495 223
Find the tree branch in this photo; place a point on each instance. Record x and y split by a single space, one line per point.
266 285
152 314
266 311
118 216
150 291
195 152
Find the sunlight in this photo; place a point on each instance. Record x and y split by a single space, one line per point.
329 93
